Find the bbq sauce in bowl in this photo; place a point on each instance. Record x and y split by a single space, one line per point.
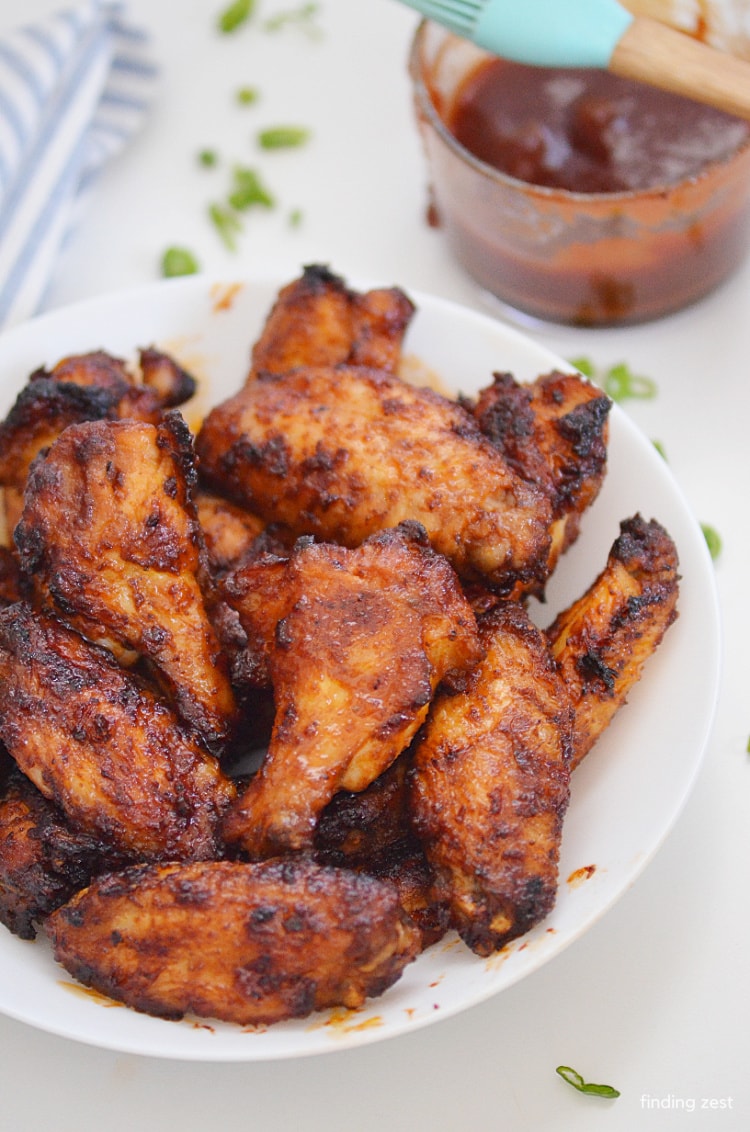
575 195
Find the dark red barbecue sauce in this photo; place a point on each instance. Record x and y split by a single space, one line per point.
586 131
661 211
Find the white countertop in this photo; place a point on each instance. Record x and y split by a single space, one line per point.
653 998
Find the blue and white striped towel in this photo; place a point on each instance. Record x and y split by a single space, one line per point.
73 90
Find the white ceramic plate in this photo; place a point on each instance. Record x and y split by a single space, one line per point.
626 795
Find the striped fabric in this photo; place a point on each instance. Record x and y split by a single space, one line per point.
73 90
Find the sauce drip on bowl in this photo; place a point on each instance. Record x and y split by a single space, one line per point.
586 130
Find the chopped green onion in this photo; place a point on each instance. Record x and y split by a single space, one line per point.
238 12
747 748
301 16
246 95
227 224
178 261
713 539
208 158
660 449
585 366
620 383
295 218
282 137
577 1081
247 190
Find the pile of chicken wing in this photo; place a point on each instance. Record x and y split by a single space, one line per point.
274 714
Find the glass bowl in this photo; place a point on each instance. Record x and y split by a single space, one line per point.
578 258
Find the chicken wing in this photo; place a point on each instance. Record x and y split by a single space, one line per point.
99 744
258 591
43 860
343 452
553 432
318 320
245 943
490 785
81 387
110 537
229 531
357 827
370 831
602 641
405 865
365 638
160 384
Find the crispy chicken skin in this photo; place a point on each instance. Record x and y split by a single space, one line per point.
404 864
229 531
245 943
43 860
258 592
110 538
81 387
160 384
602 641
41 412
343 452
381 318
10 577
356 827
370 831
490 785
318 320
553 432
366 637
98 743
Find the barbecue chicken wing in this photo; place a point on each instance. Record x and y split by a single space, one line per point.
43 860
318 320
364 639
82 387
110 538
98 743
245 943
490 785
343 452
553 432
602 641
370 831
358 826
229 532
258 592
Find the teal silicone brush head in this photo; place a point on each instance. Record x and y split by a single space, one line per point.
576 33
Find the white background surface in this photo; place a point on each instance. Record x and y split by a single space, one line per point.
654 998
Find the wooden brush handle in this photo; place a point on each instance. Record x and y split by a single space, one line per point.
673 12
659 55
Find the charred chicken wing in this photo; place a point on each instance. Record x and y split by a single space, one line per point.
318 320
43 860
343 452
366 637
98 743
81 387
246 943
490 785
602 641
110 537
553 432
